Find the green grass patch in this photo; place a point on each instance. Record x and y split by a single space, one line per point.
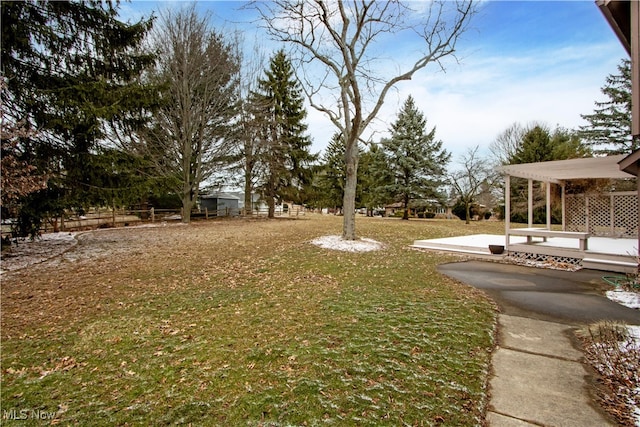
246 323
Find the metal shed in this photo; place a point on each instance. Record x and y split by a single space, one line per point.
220 204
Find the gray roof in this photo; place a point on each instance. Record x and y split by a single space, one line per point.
219 196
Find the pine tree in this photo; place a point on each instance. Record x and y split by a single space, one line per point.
535 147
609 129
372 171
415 159
285 155
333 174
71 67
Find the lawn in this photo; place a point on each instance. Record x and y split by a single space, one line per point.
244 322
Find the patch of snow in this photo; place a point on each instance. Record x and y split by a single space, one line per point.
628 299
27 252
339 244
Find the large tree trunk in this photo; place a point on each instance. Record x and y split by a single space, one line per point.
271 203
248 201
349 199
405 215
467 206
187 201
186 208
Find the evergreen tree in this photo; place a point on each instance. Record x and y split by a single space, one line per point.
539 144
333 174
372 173
70 68
535 147
609 128
414 158
568 145
285 155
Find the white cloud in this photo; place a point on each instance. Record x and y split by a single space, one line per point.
473 102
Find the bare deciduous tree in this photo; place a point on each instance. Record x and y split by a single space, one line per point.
190 134
18 177
248 149
506 143
339 39
469 180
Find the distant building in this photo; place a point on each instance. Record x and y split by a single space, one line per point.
220 204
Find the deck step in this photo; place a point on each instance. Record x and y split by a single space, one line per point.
451 249
618 266
457 249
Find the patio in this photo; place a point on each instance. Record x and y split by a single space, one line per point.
599 230
604 253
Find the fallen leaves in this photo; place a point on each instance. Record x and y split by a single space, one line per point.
247 316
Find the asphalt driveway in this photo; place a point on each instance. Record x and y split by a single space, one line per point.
572 297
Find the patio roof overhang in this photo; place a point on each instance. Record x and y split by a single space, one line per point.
617 14
631 163
559 171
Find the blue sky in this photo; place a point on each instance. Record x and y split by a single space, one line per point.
521 61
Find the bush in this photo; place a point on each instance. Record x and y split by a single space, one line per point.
615 354
539 216
460 211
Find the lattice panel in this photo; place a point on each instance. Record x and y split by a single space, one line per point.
626 216
599 215
610 214
548 261
575 218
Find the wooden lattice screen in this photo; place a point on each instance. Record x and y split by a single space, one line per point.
606 214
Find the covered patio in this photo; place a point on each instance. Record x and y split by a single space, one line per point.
607 254
597 231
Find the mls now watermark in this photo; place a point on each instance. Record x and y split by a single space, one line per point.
28 414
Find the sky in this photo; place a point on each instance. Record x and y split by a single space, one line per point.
520 61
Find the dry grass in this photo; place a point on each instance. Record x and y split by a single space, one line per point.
245 323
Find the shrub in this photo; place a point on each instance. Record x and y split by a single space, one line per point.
615 353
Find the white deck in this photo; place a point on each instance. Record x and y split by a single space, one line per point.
603 253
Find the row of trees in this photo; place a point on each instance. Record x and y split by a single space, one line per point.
408 166
101 112
412 167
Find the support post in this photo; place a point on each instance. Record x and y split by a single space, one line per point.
507 209
635 68
530 203
564 207
548 185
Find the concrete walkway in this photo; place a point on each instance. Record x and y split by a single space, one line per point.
538 378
